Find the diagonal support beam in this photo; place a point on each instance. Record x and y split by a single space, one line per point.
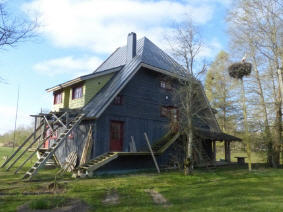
57 119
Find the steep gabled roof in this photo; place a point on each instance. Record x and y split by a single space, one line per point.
148 54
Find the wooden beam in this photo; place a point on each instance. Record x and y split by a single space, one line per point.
134 148
15 161
20 147
214 151
32 154
48 123
227 151
59 120
152 154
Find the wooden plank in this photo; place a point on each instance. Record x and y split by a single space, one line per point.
134 148
152 154
20 147
59 120
87 147
103 162
48 123
15 161
171 141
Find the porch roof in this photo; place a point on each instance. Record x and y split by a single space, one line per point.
215 136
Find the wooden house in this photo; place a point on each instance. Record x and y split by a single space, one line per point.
127 96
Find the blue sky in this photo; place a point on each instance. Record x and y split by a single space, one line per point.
75 36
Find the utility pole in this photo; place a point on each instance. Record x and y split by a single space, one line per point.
15 126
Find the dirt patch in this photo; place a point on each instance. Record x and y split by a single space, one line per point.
111 198
158 198
70 206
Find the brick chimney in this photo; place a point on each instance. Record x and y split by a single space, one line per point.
131 46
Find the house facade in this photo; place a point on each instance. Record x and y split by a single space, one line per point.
129 95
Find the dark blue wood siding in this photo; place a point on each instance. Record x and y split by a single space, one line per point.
75 144
140 112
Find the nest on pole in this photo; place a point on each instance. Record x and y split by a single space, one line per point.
239 70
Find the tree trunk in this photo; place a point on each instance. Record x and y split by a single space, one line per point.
267 133
188 163
247 138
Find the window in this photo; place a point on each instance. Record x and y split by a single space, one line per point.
164 111
170 112
118 100
162 84
57 98
77 92
165 85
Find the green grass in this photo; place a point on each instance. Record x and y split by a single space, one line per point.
47 203
221 189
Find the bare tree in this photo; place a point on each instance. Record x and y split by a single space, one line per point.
186 45
12 29
256 27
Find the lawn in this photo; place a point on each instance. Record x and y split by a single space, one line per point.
221 189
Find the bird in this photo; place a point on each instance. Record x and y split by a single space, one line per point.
244 58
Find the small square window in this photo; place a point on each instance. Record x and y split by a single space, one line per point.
118 100
165 85
162 84
77 92
57 98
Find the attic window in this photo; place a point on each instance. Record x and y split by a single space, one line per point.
118 100
77 92
170 112
57 98
165 85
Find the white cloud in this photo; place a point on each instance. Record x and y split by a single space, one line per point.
67 65
8 114
102 26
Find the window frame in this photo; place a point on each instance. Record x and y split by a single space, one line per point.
74 89
55 98
166 111
165 85
118 102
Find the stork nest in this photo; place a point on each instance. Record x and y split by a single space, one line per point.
239 70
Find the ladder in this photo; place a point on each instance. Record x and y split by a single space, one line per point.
35 139
97 162
41 162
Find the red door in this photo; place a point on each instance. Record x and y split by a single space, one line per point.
116 136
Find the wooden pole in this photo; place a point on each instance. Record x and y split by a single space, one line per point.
134 148
247 137
214 151
152 154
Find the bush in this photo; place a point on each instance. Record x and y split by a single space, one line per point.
48 203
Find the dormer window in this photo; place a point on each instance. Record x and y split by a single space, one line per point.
77 92
118 100
165 85
57 98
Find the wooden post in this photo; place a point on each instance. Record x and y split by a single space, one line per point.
214 151
153 157
34 129
134 148
227 151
